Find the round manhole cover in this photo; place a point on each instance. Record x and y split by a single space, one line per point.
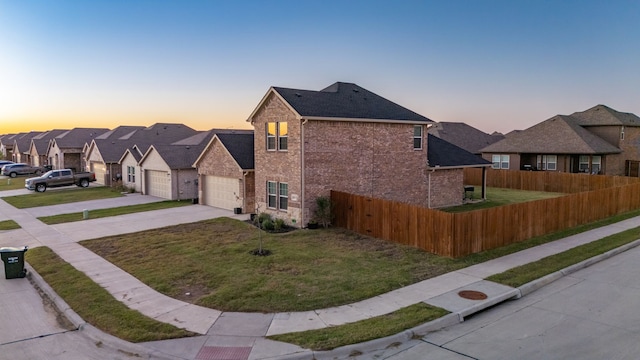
472 295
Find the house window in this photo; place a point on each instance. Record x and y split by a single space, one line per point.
500 161
596 164
548 162
283 136
583 163
271 136
284 196
622 133
417 137
131 174
272 196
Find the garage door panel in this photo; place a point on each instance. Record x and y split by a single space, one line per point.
222 192
158 184
98 169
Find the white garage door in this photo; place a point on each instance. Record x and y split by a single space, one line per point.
158 184
222 192
98 169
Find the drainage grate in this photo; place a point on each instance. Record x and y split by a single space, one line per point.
472 295
223 353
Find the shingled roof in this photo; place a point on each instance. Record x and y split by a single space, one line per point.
464 136
441 153
183 153
41 141
345 101
240 146
601 115
558 135
77 137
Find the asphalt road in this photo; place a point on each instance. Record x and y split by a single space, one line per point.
591 314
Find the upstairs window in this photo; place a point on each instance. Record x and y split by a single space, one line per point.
271 136
283 136
417 137
622 133
277 136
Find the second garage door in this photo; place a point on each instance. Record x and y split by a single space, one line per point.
98 169
158 184
222 192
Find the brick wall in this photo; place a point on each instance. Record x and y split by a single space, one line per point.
279 166
446 187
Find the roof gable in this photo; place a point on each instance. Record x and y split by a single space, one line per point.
238 143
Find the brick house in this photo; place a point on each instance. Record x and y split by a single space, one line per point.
226 171
599 140
343 138
66 151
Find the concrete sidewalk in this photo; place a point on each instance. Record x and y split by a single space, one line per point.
241 335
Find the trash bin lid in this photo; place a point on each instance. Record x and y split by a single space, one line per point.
12 249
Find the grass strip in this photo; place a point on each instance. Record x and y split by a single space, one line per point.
364 330
94 304
9 225
11 184
61 197
100 213
499 197
526 273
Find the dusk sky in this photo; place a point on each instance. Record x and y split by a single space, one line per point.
495 65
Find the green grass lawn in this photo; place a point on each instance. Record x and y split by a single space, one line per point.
365 330
499 197
7 183
70 195
94 304
122 210
9 225
526 273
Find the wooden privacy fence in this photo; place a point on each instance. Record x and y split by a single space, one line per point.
548 181
459 234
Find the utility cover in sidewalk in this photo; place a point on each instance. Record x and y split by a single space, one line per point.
472 295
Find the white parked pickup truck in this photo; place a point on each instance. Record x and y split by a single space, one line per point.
57 178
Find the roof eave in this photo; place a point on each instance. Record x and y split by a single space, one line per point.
264 99
437 167
386 121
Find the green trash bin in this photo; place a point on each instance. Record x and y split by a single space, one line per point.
13 259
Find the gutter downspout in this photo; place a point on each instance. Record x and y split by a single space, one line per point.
429 191
244 190
302 198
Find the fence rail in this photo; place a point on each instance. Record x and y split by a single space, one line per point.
460 234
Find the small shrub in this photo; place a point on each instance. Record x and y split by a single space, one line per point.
322 214
262 217
268 225
278 224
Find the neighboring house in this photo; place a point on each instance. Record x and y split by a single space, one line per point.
66 151
21 147
40 145
105 152
464 136
167 171
599 140
6 146
342 138
131 170
226 171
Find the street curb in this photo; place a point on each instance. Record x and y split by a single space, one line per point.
450 319
543 281
100 338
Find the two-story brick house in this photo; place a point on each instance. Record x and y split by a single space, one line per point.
343 138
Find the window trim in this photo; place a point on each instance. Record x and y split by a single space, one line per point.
273 195
417 137
280 136
280 197
499 165
274 136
